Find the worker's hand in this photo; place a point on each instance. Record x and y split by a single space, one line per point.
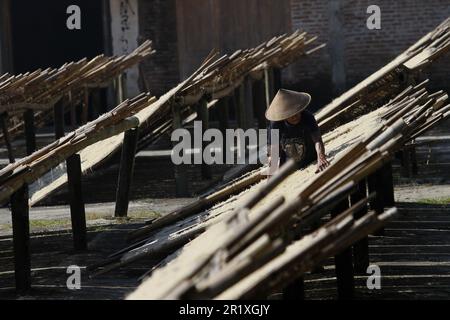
322 163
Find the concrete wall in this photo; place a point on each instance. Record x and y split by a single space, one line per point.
125 34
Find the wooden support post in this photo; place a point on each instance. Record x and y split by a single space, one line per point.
344 262
248 103
123 84
375 184
245 105
234 103
277 81
58 118
405 160
259 103
73 112
126 170
242 121
85 106
223 114
120 97
203 116
30 131
414 166
77 211
269 86
180 173
388 185
295 290
21 239
360 248
6 136
96 103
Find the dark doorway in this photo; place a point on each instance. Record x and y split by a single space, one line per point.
40 36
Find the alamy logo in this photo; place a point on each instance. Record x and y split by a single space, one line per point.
374 20
374 280
74 20
234 148
74 280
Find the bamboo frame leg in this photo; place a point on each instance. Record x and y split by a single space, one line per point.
119 89
126 170
234 104
344 263
96 103
180 173
414 166
123 84
375 184
58 118
277 81
242 120
73 112
223 113
85 106
406 163
30 131
21 239
77 210
203 115
259 105
360 248
248 103
388 185
7 137
295 290
269 86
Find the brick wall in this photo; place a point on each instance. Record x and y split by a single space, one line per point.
402 23
157 22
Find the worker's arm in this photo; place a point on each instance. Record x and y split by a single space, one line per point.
322 161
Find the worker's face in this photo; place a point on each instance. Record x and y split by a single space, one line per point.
295 119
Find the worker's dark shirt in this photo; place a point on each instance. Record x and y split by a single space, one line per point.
297 141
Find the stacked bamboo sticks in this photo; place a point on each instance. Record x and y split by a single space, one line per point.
368 95
250 252
388 81
225 73
41 89
30 168
220 75
154 120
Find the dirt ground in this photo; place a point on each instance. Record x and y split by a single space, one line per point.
425 193
52 252
52 248
51 218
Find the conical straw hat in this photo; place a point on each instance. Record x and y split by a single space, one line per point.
286 104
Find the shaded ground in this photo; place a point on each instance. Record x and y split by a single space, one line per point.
52 254
414 253
48 218
413 256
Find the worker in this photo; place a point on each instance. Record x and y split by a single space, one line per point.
299 133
